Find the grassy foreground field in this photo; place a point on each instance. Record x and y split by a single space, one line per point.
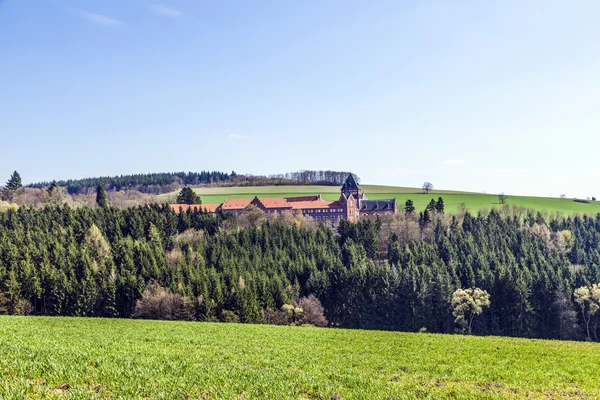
452 199
78 358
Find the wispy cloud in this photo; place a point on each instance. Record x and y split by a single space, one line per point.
236 136
165 11
99 19
453 162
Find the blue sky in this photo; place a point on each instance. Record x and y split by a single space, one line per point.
469 95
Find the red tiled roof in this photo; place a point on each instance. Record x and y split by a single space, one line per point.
211 208
303 198
304 205
274 203
236 204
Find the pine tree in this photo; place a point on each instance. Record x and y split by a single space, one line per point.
188 196
431 206
101 199
14 183
52 187
439 206
409 207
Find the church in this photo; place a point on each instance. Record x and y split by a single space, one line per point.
352 203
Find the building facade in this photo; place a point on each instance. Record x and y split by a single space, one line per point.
351 204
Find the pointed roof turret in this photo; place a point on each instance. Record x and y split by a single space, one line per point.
350 183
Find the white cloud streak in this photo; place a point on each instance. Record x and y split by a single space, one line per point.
236 136
99 19
165 11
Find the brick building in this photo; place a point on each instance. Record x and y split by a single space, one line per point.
353 203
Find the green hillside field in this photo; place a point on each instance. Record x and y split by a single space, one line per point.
452 199
79 358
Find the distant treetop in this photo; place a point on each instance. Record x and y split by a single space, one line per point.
168 181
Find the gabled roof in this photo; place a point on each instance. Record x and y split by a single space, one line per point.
305 205
272 203
303 198
211 208
378 205
236 204
350 183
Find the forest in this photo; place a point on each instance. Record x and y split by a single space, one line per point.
158 183
395 273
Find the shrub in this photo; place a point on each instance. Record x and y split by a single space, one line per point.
229 316
313 312
3 304
276 317
581 201
24 307
160 303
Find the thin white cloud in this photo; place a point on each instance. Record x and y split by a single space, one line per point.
165 11
236 136
453 162
99 19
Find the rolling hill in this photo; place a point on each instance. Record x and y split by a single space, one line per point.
452 199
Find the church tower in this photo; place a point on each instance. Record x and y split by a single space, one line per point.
350 187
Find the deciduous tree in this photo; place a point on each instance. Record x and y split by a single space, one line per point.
427 186
467 304
588 298
502 198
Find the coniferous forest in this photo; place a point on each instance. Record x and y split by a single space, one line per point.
394 273
166 182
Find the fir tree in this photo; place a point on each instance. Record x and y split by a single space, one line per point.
431 207
14 183
409 207
188 196
439 206
101 199
52 187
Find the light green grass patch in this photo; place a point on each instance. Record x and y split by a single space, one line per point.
52 357
452 199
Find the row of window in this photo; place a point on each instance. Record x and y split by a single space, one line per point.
326 210
325 217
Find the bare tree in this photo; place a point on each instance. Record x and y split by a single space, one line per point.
312 311
563 196
502 198
427 186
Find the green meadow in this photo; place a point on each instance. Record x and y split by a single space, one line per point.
452 199
83 358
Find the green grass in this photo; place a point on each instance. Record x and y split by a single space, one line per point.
452 199
78 358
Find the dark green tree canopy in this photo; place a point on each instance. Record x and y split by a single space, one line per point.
188 196
439 206
391 274
431 207
101 199
14 183
409 207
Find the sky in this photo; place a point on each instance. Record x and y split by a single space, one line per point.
488 96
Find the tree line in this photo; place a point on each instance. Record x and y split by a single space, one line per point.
158 183
155 183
